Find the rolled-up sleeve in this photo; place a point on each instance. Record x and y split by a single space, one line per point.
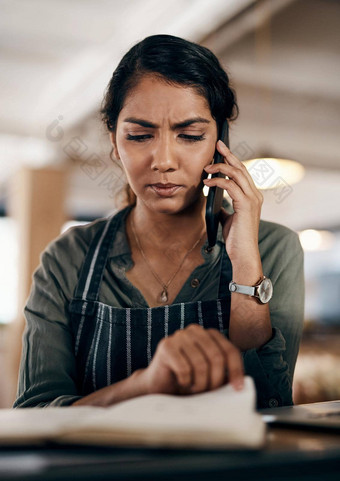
270 372
47 371
276 360
272 365
47 375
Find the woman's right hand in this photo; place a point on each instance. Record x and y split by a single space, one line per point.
193 360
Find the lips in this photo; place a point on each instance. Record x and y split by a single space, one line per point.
164 186
165 190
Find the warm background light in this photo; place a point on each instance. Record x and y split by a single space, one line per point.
316 240
267 172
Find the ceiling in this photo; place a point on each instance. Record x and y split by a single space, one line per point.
56 58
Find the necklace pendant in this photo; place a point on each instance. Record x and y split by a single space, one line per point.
164 296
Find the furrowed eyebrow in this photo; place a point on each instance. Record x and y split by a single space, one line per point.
179 125
186 123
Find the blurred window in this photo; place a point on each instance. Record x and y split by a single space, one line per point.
8 269
322 276
9 265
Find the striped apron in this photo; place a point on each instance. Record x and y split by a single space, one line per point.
112 342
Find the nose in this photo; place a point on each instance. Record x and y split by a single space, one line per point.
164 158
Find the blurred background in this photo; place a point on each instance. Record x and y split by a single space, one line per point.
282 56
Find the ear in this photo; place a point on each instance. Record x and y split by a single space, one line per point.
114 145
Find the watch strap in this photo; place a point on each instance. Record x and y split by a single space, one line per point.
241 289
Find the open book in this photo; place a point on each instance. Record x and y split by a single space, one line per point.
218 419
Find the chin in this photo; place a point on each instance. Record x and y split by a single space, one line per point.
165 206
172 206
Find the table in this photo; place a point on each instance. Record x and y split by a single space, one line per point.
289 454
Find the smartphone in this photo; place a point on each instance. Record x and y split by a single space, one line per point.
215 195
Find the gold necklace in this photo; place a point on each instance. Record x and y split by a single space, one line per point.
163 297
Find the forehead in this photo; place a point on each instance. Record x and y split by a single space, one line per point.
154 97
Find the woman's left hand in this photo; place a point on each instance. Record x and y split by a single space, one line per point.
240 229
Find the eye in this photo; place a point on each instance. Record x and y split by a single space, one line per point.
142 138
192 138
138 138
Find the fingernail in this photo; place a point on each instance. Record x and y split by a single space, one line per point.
238 385
223 144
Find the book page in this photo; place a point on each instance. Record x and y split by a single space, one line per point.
36 425
221 418
217 409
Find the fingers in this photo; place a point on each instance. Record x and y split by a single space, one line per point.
205 357
240 181
235 174
233 359
176 360
230 158
235 192
200 358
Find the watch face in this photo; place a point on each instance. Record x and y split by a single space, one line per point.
265 290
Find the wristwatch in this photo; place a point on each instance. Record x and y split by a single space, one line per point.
262 290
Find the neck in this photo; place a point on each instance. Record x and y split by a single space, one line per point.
161 229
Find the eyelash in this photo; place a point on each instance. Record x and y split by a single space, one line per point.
189 138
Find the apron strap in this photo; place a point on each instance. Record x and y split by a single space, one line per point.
225 275
92 270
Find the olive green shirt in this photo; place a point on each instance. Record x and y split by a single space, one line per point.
48 368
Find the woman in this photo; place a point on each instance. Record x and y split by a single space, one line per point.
136 303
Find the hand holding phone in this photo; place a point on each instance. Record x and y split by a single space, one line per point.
215 196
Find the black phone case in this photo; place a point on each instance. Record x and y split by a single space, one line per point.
215 196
